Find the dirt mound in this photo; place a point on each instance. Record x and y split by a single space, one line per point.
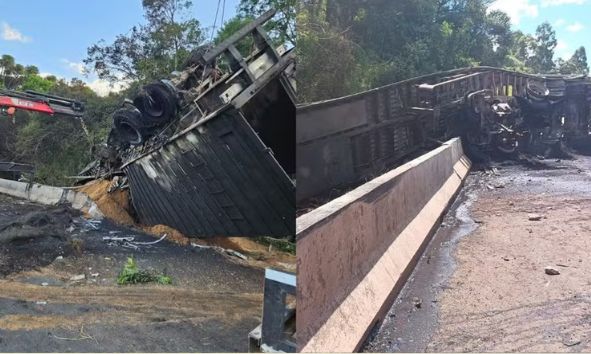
35 224
173 234
34 239
114 205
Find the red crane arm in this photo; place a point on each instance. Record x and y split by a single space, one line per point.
29 105
39 102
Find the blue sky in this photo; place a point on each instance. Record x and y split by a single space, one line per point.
54 35
569 18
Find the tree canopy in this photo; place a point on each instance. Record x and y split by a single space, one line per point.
347 46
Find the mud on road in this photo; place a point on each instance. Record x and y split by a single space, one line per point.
213 303
481 283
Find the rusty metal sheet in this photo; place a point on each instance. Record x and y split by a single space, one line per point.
216 179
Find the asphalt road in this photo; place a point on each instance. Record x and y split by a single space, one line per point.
481 284
212 305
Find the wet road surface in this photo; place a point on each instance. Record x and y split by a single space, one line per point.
481 283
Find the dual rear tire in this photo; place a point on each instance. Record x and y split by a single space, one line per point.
155 106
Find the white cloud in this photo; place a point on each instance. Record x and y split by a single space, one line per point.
75 66
45 74
12 34
562 49
559 22
546 3
102 87
575 27
516 9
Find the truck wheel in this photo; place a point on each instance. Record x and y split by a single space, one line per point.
129 126
158 104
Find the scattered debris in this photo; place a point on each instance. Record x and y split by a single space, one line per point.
78 277
534 217
551 270
129 241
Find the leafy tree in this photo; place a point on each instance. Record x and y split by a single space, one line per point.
282 26
545 43
152 50
577 64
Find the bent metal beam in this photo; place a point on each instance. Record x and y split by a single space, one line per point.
356 252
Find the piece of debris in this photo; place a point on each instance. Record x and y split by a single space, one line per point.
41 302
490 187
562 265
59 258
534 217
511 203
94 275
151 242
193 244
417 302
530 231
499 186
44 284
78 277
236 254
571 342
505 259
551 271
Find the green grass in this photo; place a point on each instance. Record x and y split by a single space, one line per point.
279 244
132 275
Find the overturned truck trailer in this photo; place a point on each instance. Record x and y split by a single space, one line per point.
210 151
344 141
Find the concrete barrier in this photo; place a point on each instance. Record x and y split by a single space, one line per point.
355 253
50 195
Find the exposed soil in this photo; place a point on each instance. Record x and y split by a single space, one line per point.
482 285
212 305
116 207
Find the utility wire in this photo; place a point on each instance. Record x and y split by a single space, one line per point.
215 20
223 11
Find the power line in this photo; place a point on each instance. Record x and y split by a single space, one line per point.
215 20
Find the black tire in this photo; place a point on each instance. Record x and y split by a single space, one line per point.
157 103
196 56
129 126
537 91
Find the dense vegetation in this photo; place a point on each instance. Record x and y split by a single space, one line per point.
347 46
58 146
